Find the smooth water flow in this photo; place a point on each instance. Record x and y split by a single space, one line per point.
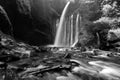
71 30
67 32
78 19
59 35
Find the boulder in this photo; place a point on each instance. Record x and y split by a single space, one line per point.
114 37
114 34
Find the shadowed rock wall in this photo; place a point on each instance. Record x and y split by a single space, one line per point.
33 21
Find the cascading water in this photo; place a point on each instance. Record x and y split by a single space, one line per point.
67 32
71 40
59 36
76 30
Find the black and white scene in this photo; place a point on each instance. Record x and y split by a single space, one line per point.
59 39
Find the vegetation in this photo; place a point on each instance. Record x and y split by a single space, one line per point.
98 18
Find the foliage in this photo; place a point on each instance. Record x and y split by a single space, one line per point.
90 12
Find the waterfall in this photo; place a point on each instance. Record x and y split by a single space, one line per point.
71 30
67 31
58 39
76 30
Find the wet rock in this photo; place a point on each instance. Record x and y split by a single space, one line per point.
114 37
30 23
10 50
114 34
5 23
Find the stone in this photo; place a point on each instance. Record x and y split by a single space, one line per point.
30 22
5 24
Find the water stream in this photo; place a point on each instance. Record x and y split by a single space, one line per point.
67 31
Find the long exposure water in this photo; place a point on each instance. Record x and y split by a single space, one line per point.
58 39
67 31
106 70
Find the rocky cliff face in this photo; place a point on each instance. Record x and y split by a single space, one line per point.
32 20
5 24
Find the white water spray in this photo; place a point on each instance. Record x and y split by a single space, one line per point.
61 25
76 30
68 31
